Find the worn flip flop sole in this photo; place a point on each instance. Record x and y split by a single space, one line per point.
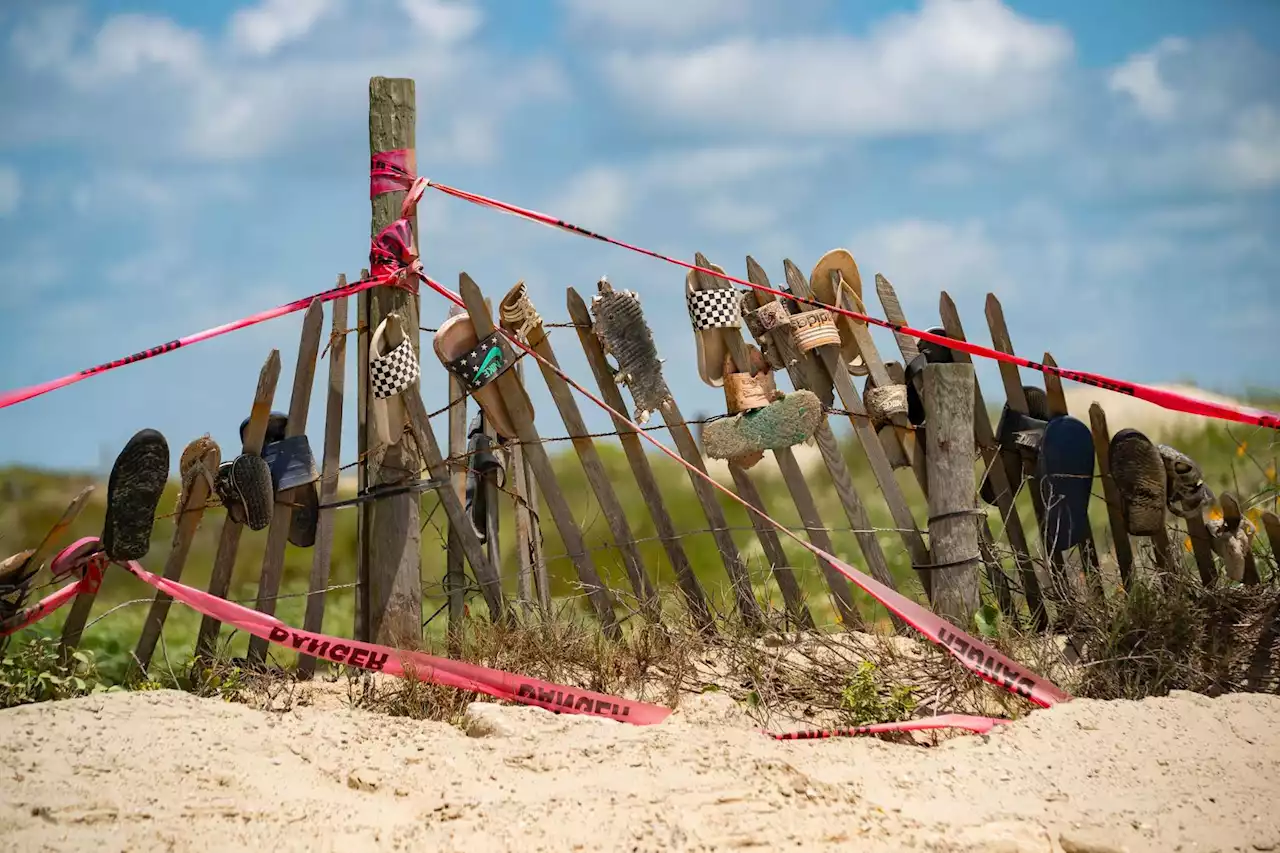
784 423
1065 473
1139 475
133 492
251 482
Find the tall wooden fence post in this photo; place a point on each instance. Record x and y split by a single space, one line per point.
393 535
953 514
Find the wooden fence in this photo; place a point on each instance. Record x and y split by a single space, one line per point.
958 563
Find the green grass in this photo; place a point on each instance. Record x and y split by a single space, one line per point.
1233 457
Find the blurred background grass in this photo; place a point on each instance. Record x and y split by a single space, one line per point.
1234 457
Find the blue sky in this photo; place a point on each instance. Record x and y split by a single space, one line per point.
1109 170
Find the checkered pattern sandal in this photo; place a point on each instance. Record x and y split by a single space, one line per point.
710 311
390 373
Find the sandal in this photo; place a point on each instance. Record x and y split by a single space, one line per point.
137 482
781 424
245 489
623 333
390 373
477 364
1139 474
711 311
1187 493
481 463
1064 470
824 291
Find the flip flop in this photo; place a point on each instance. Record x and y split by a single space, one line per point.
713 307
1020 433
1233 535
623 333
824 291
929 353
1065 472
481 462
305 516
244 486
783 423
137 482
477 363
1139 474
1187 493
392 369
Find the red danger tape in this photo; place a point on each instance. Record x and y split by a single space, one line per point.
976 725
373 657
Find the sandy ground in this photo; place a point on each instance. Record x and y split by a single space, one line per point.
167 771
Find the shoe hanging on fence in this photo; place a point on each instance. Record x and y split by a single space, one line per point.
1020 434
137 482
760 417
1188 495
1139 474
477 364
392 369
624 334
200 459
244 486
277 423
1064 469
482 463
711 311
824 291
929 353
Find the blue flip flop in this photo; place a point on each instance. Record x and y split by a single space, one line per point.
1065 472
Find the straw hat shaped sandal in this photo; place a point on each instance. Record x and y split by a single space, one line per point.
824 291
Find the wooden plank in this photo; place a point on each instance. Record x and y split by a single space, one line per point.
455 578
394 538
876 458
1202 550
330 471
78 616
524 545
1111 493
792 594
893 312
1271 524
363 335
953 528
521 411
637 458
492 527
593 466
986 541
792 474
1232 518
190 514
996 472
803 368
224 561
455 512
304 375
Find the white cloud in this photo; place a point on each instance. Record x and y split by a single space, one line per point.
668 18
953 66
10 191
734 216
272 24
129 44
214 104
1252 154
920 255
1139 77
445 21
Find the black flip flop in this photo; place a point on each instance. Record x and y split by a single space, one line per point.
1019 434
245 488
481 462
305 517
1139 474
137 482
1064 470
